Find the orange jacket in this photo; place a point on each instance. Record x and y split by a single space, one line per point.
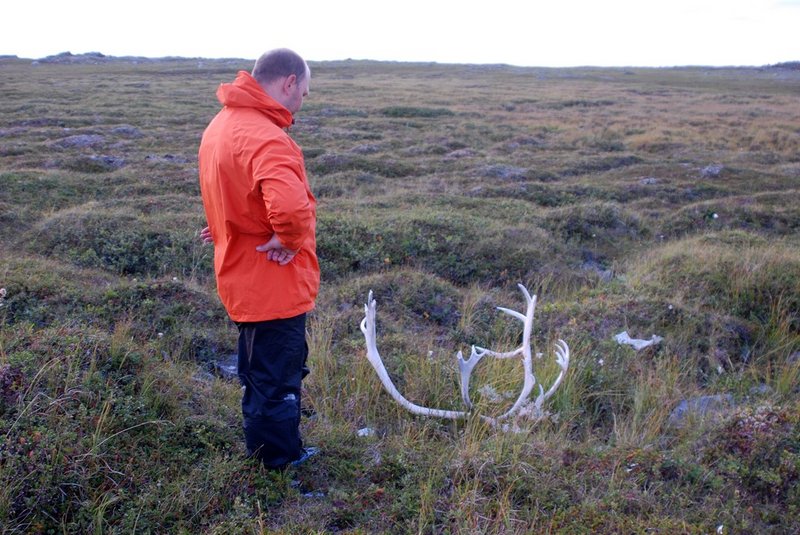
253 182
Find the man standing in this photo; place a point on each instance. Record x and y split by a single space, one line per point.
261 218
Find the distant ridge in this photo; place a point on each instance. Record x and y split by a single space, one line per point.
793 65
94 58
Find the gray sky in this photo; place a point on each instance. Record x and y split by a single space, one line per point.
519 32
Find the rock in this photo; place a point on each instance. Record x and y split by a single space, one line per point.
96 163
81 140
700 408
711 171
761 390
127 131
504 172
228 367
166 158
109 162
649 181
8 132
592 266
460 153
366 148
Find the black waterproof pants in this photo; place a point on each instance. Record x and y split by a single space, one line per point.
272 364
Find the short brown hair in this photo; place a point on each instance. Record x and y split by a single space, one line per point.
279 63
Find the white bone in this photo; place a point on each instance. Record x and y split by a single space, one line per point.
466 366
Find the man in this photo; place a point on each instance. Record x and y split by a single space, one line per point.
261 218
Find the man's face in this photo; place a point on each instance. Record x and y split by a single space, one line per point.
298 92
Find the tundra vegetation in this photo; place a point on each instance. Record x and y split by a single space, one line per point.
655 201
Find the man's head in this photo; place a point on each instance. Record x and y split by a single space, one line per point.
285 76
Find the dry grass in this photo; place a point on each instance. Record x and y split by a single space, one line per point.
649 200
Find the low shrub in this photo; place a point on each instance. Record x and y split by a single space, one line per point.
600 223
766 214
458 247
599 165
123 241
758 452
409 111
334 163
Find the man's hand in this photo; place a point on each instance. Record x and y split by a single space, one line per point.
276 252
205 235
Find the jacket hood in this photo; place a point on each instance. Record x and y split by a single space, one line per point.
245 92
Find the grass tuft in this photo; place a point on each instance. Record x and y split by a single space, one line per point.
653 201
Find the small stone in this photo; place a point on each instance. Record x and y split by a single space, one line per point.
227 367
127 131
367 148
711 171
703 407
761 390
504 172
460 153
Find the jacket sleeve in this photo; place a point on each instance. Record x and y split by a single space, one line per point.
279 174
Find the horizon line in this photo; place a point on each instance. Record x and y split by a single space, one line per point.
100 55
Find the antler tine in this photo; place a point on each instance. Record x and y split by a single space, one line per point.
514 313
562 354
562 358
526 293
465 367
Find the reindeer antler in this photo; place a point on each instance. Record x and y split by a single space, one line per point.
368 328
466 366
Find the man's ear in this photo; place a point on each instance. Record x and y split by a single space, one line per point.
289 82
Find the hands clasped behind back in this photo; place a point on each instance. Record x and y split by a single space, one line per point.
275 250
